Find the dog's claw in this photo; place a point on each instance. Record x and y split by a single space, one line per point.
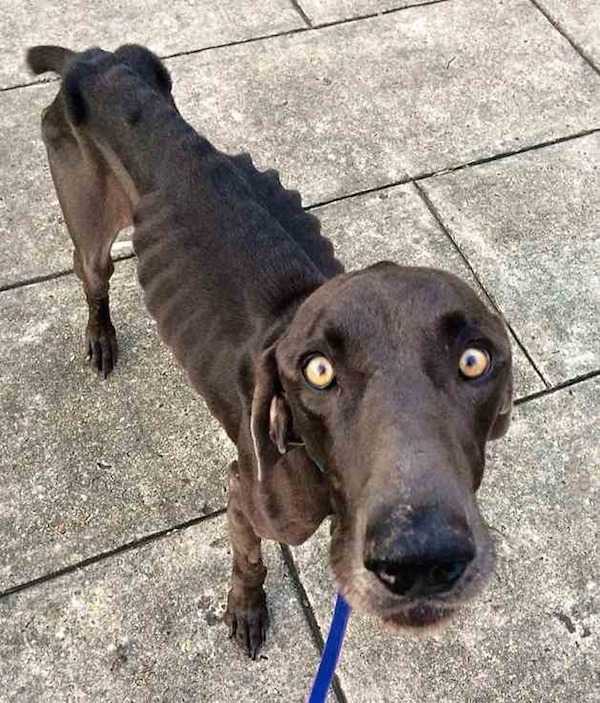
248 627
102 350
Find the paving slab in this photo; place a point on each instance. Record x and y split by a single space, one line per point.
87 465
337 110
166 28
145 626
529 226
322 11
534 634
579 19
395 224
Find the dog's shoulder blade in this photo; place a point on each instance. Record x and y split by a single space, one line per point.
286 207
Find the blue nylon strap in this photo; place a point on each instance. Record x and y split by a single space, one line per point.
331 652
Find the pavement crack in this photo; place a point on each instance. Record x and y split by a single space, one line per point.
44 277
506 154
127 547
298 7
557 26
558 387
309 615
310 27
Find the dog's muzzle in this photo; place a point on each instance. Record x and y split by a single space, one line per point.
425 555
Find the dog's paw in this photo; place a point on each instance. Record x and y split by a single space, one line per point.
248 624
101 348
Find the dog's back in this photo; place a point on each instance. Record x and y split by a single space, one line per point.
119 94
221 247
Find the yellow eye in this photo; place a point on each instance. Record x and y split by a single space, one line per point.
319 372
474 362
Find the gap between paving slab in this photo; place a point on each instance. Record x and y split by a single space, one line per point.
306 26
88 465
385 125
322 13
476 277
576 21
120 549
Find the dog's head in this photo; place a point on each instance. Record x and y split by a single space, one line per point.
394 379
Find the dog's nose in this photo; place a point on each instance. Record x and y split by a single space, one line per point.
427 556
418 579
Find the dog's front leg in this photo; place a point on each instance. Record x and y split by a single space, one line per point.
246 613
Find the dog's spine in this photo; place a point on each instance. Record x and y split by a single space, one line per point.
41 59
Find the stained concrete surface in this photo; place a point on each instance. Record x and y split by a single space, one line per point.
99 471
167 28
146 626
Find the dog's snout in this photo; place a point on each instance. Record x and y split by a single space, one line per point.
424 556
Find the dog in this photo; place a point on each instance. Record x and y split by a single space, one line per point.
367 396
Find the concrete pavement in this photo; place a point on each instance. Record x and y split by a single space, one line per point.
460 134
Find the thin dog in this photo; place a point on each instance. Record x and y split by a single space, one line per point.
368 396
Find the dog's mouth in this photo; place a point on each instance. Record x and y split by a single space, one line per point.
397 613
418 617
365 592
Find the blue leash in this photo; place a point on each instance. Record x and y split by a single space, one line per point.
331 652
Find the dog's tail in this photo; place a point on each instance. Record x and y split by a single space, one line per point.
41 59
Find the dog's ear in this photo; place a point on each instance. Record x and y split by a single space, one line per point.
270 417
502 421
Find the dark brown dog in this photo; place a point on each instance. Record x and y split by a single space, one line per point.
369 395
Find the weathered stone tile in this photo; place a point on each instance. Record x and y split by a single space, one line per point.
321 11
534 634
363 104
394 224
529 226
166 28
580 20
145 626
87 465
337 110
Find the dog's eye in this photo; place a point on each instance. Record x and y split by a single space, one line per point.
319 372
474 362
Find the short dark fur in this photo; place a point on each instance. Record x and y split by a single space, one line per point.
244 289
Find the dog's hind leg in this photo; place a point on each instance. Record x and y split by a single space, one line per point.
246 613
95 209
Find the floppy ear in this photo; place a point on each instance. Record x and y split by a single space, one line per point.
502 421
270 417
